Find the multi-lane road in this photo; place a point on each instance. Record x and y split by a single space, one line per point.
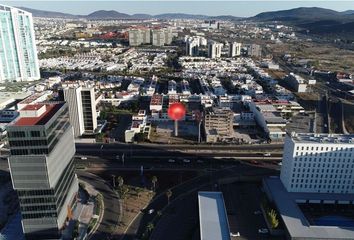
155 151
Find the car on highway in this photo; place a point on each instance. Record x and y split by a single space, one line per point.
263 231
255 162
171 160
235 234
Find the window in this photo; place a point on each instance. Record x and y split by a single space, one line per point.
18 134
35 134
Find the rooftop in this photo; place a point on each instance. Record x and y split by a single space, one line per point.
295 220
212 216
322 138
35 117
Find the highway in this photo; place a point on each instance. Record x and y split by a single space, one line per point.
126 146
134 151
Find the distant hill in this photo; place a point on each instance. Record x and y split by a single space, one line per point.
319 21
348 12
141 16
180 16
297 14
47 14
103 14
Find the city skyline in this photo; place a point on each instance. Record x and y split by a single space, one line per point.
211 8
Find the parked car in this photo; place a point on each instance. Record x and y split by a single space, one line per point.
83 158
266 154
186 160
171 160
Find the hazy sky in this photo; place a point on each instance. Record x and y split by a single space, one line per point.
235 8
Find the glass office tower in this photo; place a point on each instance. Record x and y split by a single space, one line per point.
41 165
18 52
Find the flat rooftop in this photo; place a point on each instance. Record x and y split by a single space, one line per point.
212 216
294 219
322 138
42 119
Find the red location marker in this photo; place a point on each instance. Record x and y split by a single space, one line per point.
176 111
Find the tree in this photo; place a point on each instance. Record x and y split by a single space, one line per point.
150 227
273 218
168 195
154 180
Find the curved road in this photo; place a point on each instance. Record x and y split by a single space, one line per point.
111 205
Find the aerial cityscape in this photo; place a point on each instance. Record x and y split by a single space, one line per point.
176 120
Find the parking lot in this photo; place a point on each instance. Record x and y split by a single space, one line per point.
242 201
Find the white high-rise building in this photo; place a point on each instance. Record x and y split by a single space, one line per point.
235 49
158 37
82 109
18 52
139 36
318 163
72 95
214 49
192 47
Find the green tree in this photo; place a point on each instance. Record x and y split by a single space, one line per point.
273 218
150 227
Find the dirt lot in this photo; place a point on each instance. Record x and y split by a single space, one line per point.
322 56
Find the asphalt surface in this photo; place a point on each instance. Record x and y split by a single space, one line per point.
168 151
151 147
111 205
209 178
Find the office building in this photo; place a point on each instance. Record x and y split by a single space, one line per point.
218 123
235 49
18 52
41 164
319 163
82 109
214 49
314 194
